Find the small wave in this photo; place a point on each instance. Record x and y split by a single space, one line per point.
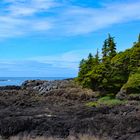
5 80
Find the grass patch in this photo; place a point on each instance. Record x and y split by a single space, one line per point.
92 104
108 101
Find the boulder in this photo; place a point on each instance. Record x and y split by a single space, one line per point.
122 94
46 86
131 89
31 84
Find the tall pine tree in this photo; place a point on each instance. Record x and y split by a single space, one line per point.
90 56
82 62
109 49
89 62
97 57
105 50
111 46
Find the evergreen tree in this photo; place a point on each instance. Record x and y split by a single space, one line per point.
89 62
105 50
82 62
90 56
113 72
111 46
97 57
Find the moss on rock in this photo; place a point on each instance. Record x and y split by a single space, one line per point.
133 83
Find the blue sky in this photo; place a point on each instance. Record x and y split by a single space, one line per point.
48 38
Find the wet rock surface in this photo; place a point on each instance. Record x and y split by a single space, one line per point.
62 111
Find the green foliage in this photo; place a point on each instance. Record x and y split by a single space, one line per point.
134 58
85 68
105 50
92 104
97 57
120 71
111 46
133 83
109 49
115 69
106 101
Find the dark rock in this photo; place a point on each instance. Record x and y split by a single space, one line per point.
45 86
135 97
122 94
10 87
62 110
30 84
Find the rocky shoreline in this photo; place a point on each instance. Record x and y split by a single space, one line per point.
58 108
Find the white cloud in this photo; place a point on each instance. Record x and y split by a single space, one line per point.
30 7
65 60
31 17
41 26
19 17
65 64
79 20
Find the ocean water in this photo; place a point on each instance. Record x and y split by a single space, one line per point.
5 81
